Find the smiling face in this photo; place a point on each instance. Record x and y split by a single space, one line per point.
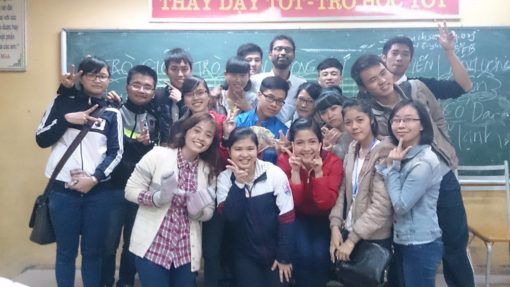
398 59
255 61
282 54
330 77
306 145
406 126
332 116
199 138
236 81
358 125
270 102
140 89
244 154
197 100
177 72
95 84
378 81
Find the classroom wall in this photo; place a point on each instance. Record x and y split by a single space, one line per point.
25 95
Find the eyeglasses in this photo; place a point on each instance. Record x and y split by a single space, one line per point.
271 99
305 101
197 93
406 121
141 88
94 76
282 48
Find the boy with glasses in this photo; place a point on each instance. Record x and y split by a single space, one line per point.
376 85
270 100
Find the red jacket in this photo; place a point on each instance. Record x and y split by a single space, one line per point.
219 118
315 196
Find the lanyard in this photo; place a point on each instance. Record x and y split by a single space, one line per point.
356 175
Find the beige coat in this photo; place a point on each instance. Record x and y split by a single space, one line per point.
147 176
372 212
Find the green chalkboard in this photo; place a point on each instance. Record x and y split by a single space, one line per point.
479 122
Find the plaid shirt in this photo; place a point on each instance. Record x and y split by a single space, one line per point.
172 242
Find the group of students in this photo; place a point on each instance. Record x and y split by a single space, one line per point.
268 178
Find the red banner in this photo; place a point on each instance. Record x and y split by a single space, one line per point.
300 10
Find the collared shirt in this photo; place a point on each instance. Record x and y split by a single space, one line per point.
250 118
289 108
172 242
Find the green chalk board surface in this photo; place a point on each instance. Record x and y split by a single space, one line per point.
479 122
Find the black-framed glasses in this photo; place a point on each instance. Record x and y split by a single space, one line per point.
93 76
307 102
406 121
270 99
141 88
283 48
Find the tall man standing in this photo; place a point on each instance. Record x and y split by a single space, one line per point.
397 55
282 52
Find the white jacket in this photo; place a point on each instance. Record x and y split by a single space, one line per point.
147 176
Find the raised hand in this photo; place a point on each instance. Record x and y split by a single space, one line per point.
446 38
296 163
167 191
68 80
113 97
398 153
228 125
240 174
81 118
282 142
316 165
174 94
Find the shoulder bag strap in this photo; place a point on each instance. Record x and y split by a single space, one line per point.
77 140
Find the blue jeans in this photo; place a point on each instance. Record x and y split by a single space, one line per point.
79 219
452 220
154 275
417 264
121 220
311 259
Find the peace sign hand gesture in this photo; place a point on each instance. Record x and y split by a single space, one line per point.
81 118
240 174
397 153
446 37
69 79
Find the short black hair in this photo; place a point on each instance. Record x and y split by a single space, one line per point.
191 83
237 65
328 98
312 88
365 108
427 134
241 133
248 48
177 55
362 63
282 37
93 64
330 63
404 40
142 70
274 83
304 124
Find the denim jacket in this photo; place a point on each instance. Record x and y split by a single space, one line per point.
413 186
